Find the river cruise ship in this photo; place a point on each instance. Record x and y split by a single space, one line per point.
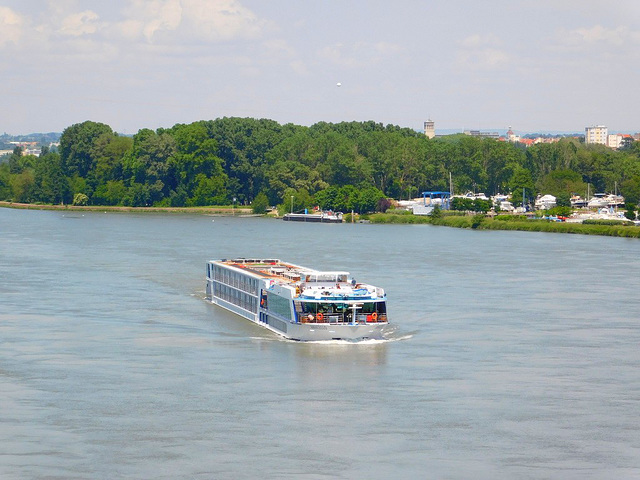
296 302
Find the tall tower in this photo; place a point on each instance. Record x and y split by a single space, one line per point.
430 128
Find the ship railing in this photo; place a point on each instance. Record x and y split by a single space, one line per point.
333 319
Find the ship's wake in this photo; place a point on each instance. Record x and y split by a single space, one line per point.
391 335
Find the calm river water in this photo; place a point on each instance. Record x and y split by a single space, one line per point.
516 355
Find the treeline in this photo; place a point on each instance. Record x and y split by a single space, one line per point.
344 166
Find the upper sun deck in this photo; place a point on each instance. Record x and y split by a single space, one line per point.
308 283
270 268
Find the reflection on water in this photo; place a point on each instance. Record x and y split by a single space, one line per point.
340 353
514 354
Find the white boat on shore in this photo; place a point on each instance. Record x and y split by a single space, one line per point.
600 200
605 213
321 217
296 302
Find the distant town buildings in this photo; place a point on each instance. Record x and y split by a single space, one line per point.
598 134
29 148
480 134
619 140
512 137
430 128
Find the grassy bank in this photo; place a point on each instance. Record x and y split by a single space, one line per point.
481 222
215 210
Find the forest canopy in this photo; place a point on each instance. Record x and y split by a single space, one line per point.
343 166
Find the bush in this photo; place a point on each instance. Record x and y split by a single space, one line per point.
511 218
393 218
456 221
630 212
560 211
260 204
605 222
399 211
477 220
80 199
384 204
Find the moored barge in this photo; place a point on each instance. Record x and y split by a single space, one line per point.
322 217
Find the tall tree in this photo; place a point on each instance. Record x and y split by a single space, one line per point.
50 183
77 146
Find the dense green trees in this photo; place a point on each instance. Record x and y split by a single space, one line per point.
345 166
78 144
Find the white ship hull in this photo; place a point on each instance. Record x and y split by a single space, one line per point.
314 332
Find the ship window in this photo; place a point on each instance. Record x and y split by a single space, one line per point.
279 305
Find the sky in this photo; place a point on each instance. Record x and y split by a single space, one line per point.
534 65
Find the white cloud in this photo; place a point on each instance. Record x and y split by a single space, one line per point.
222 19
492 57
161 21
597 36
386 48
596 50
78 24
128 29
11 24
299 67
481 52
359 54
279 48
150 17
477 41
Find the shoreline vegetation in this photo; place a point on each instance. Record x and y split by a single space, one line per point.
510 222
208 210
343 167
478 221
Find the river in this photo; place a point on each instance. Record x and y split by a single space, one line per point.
515 355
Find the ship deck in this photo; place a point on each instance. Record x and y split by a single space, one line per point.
270 268
328 286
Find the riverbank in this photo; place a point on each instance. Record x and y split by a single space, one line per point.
478 222
481 222
221 210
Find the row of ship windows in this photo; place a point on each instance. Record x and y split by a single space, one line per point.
231 295
235 279
279 305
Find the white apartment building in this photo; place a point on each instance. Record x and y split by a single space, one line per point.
615 140
596 134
